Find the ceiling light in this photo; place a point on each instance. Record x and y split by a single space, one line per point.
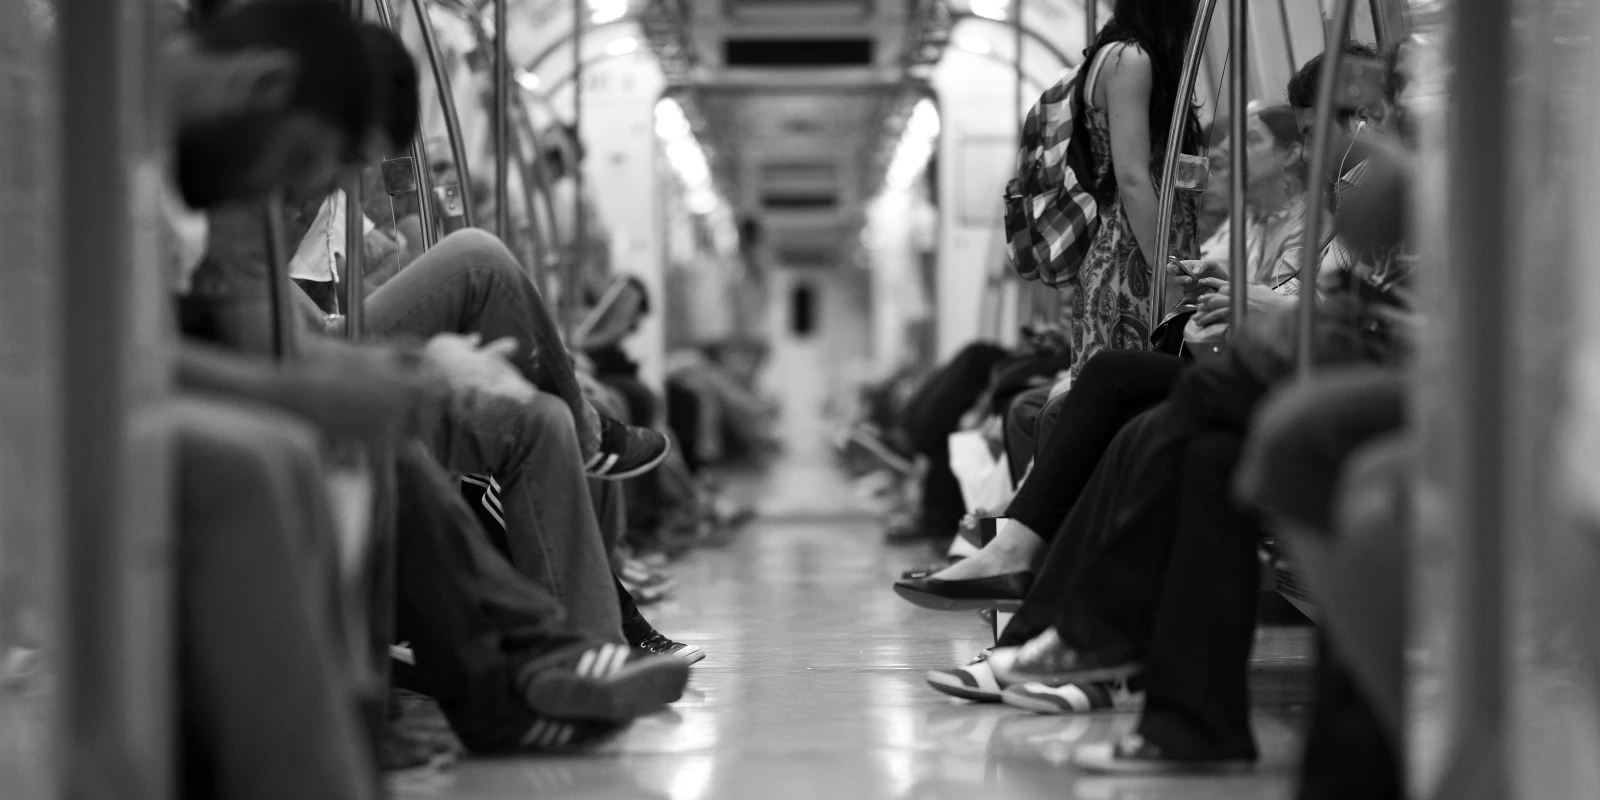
974 44
603 11
528 80
990 9
622 47
924 122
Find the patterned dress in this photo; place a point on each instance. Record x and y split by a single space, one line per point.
1110 296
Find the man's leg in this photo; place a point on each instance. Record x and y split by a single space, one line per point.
493 647
262 683
471 283
475 626
532 450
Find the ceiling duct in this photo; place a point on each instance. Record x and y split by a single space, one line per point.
814 9
799 201
808 255
810 173
798 53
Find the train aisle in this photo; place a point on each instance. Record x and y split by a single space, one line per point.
813 688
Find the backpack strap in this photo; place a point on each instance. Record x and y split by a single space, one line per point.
1092 77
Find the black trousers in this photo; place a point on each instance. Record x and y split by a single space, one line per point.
1155 563
1113 388
478 627
933 413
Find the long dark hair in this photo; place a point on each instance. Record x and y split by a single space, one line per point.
1161 29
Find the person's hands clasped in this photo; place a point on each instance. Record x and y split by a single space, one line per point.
462 363
1217 305
359 393
1189 276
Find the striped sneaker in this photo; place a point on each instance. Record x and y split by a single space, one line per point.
612 682
559 736
626 451
1072 698
975 681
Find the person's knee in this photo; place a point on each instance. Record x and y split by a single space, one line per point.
553 421
481 249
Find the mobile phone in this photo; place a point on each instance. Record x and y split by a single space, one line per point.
1175 261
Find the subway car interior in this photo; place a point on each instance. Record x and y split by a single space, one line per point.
659 399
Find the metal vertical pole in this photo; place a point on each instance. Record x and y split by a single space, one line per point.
1288 34
1479 209
502 125
1091 21
1317 196
1239 101
355 243
1016 35
104 750
355 260
580 238
1168 189
278 290
421 168
447 101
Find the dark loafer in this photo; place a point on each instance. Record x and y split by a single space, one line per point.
1004 592
931 569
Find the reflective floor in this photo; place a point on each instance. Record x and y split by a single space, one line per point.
813 689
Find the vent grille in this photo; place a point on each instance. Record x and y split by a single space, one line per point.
800 201
792 53
799 172
808 255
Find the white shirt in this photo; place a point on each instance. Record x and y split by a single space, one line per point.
315 259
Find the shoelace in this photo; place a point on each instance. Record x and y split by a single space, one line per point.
658 644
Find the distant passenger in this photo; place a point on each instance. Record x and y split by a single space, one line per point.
1129 89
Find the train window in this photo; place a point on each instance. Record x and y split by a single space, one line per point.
803 310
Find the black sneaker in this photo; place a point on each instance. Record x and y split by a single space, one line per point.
610 683
659 644
626 451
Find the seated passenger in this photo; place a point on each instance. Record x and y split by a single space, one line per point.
470 284
1116 386
349 394
1165 591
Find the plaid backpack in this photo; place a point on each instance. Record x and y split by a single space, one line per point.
1051 213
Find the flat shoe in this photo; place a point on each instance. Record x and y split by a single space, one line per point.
1004 592
1133 755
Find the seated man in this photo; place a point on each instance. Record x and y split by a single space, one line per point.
467 283
253 584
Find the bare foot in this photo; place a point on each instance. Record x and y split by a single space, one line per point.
1015 548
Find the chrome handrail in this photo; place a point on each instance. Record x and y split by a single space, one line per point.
1316 197
1167 191
279 292
447 101
1238 169
580 239
420 165
501 116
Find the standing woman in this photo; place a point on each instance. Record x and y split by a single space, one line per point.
1128 95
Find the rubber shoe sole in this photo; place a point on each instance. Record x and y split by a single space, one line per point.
642 687
936 602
